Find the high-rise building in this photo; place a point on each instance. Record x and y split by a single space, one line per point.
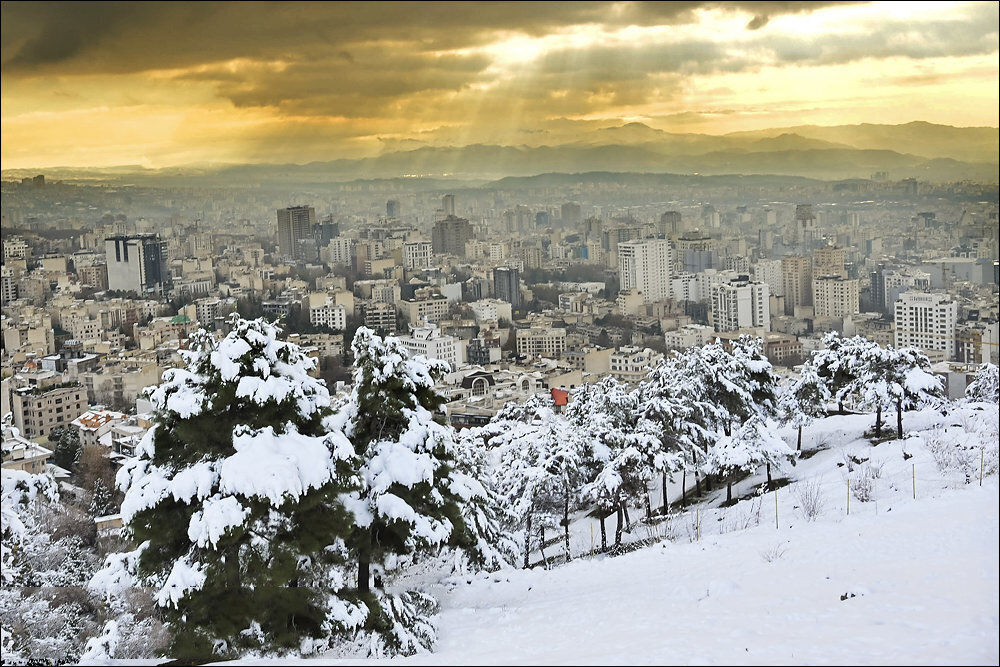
448 205
295 225
326 231
830 261
571 214
138 263
450 235
834 296
507 285
392 209
805 223
417 255
741 304
670 224
927 321
646 266
796 276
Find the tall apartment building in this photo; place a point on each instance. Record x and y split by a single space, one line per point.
448 205
541 342
430 342
796 276
670 223
138 263
769 271
927 321
507 285
295 226
888 285
805 223
392 209
417 255
834 296
37 411
830 261
741 304
450 235
646 266
380 316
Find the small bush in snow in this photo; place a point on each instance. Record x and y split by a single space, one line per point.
863 484
774 553
810 497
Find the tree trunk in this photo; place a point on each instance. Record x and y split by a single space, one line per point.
628 521
665 506
527 541
618 525
729 491
649 507
840 406
697 484
878 422
800 438
770 483
708 483
541 548
899 419
684 483
364 575
604 535
566 524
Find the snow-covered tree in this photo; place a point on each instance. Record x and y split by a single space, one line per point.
913 383
671 401
752 446
839 362
985 388
235 500
739 384
412 497
804 400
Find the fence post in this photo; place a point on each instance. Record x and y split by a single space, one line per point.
914 481
776 509
697 525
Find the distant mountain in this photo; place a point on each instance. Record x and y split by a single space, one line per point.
921 150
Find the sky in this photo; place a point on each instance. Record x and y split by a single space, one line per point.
166 84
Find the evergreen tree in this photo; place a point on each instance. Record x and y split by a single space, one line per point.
412 497
752 446
803 401
839 362
985 388
234 500
67 448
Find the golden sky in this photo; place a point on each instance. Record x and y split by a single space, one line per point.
101 84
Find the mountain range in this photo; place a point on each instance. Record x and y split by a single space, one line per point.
920 150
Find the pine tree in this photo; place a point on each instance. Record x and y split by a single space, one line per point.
67 448
985 388
411 499
752 446
804 400
839 362
234 500
913 385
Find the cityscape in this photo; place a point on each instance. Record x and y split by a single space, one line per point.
518 298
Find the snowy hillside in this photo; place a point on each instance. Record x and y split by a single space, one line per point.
920 575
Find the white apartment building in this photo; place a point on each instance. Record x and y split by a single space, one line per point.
646 266
541 342
689 335
741 304
417 254
14 247
769 271
927 321
431 309
491 310
430 342
632 364
834 296
339 250
325 312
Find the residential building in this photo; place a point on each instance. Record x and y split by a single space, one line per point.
138 264
834 296
430 342
450 235
541 341
741 304
632 364
796 276
295 226
646 266
927 321
38 410
507 285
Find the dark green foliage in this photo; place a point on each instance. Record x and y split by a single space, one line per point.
66 451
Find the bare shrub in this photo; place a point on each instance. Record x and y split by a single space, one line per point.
863 484
810 498
875 468
774 553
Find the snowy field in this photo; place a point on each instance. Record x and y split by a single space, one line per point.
920 575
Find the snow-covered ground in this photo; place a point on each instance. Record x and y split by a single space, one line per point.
920 575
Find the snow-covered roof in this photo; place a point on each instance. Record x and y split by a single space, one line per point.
93 420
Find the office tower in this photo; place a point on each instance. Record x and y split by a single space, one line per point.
646 266
834 296
295 224
695 252
670 224
448 205
927 321
326 231
392 209
507 285
417 255
450 235
571 215
741 304
830 261
138 263
805 223
796 276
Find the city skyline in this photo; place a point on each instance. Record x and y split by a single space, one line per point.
97 85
